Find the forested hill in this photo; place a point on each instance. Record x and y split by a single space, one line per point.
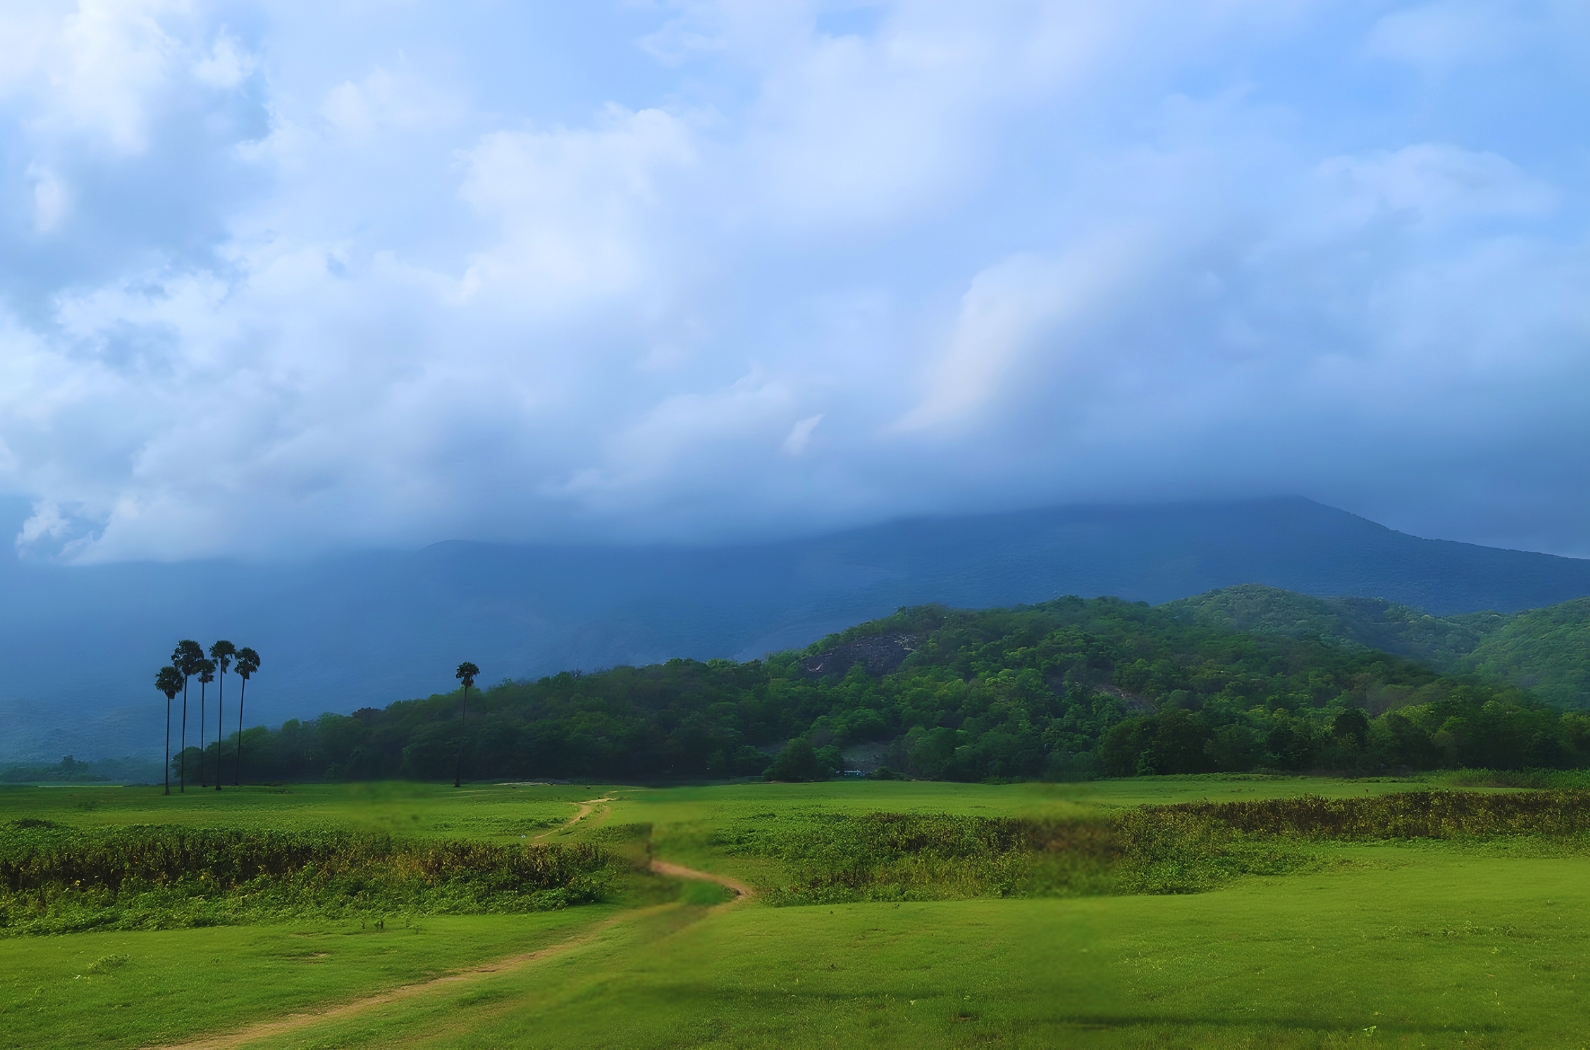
1546 651
1064 688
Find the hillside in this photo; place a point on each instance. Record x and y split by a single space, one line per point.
1546 651
1067 687
78 644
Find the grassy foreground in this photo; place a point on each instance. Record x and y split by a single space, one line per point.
1462 942
1387 952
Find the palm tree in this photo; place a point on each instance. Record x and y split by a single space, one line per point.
168 681
206 676
221 652
247 664
185 658
466 673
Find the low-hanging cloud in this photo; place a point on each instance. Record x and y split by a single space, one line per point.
276 279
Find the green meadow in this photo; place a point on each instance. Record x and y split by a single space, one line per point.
1081 914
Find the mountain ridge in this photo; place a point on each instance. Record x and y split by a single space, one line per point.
79 646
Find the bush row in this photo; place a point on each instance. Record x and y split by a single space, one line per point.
54 878
1155 849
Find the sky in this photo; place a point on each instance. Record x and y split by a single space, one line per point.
280 278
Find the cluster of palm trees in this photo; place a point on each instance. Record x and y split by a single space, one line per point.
188 661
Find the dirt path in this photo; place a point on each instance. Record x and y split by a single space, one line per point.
308 1018
679 871
585 810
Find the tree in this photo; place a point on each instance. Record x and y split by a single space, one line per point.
168 681
221 652
466 673
1352 724
798 762
185 658
206 676
247 664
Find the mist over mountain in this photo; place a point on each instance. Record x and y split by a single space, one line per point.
79 645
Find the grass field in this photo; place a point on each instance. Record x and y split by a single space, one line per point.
1482 942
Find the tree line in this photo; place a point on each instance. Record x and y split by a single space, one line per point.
188 661
1067 688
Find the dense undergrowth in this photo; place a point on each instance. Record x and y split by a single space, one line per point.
1182 848
57 879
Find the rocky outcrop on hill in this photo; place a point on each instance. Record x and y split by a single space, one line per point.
878 654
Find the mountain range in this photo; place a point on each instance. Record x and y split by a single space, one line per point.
79 645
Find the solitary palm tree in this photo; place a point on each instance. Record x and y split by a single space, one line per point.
221 652
185 659
168 681
247 664
206 676
466 673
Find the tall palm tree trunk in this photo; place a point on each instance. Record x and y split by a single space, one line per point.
168 745
458 771
237 767
203 773
220 721
182 755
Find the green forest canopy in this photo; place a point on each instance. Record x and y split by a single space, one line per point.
1066 688
1546 651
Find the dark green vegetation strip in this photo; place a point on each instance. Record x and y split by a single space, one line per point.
1406 815
1068 688
1156 849
58 879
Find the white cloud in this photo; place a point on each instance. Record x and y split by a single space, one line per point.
574 207
387 102
226 65
1442 35
800 434
111 56
51 200
1437 183
275 278
1020 307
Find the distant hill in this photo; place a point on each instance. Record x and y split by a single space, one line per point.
1068 687
79 646
1544 650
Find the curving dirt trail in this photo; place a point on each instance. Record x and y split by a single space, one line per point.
294 1022
585 810
308 1018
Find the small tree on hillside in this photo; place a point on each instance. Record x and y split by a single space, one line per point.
168 681
466 673
221 652
247 664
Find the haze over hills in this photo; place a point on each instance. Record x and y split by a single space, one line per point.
79 646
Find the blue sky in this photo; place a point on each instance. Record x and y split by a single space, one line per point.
277 278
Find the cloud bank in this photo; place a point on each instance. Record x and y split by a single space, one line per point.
281 277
